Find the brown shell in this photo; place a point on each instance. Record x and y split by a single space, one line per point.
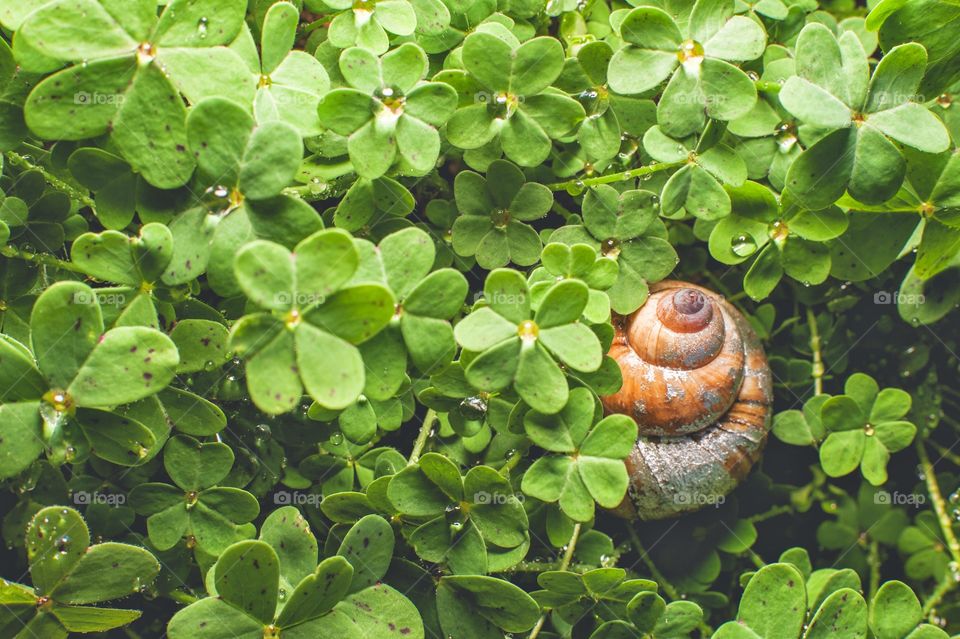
701 429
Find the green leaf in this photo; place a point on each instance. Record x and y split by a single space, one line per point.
56 540
246 575
774 602
368 546
471 606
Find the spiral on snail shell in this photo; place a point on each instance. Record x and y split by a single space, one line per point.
697 382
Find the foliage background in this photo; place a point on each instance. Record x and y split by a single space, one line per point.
304 310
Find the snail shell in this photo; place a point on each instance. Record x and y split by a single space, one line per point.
697 382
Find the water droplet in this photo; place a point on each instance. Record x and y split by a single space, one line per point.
576 187
945 100
869 430
753 75
473 409
336 438
743 245
202 28
63 544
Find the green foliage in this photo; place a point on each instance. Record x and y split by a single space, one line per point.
308 311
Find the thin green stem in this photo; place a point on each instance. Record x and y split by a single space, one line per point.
818 369
776 511
564 565
510 464
23 162
320 191
668 588
767 87
181 597
946 453
41 259
425 429
621 176
547 566
939 504
873 559
946 585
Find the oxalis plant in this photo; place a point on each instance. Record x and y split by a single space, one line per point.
306 306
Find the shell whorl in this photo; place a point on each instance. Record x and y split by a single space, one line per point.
681 370
697 441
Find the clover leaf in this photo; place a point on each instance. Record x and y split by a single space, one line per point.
210 517
426 301
924 547
895 613
581 262
590 465
388 112
775 603
342 466
61 396
575 598
625 228
135 65
783 237
608 115
36 217
465 516
864 426
514 345
307 338
367 24
512 103
494 213
480 606
856 117
69 574
697 187
467 411
696 58
289 83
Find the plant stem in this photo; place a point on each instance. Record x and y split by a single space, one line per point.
564 564
41 259
776 511
181 597
815 348
767 87
668 588
546 566
873 558
24 163
939 504
948 583
620 176
946 453
425 429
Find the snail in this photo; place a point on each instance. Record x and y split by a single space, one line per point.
697 382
